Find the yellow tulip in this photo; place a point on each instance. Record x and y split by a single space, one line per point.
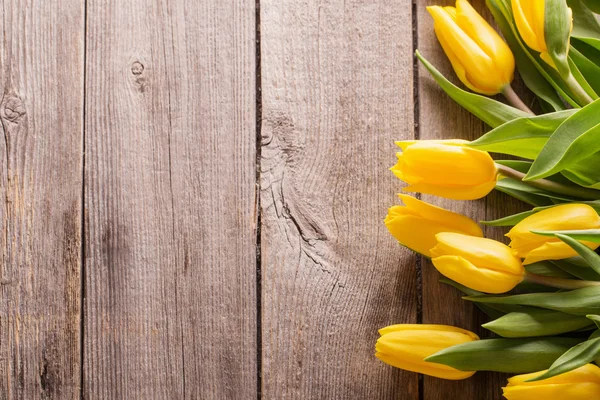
530 19
416 224
406 346
481 264
534 248
445 168
582 383
480 58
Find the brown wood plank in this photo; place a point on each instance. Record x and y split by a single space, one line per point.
41 115
337 91
442 118
170 200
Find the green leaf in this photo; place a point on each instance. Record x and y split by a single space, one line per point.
510 220
593 5
577 302
589 70
524 187
557 30
504 186
504 355
490 111
533 322
586 172
585 25
580 78
534 80
595 318
574 139
589 255
522 137
547 268
574 358
588 235
578 268
493 311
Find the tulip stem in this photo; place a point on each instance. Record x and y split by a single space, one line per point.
580 94
515 100
551 186
559 283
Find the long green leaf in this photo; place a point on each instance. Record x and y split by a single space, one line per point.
575 138
585 172
491 310
577 302
510 220
589 255
574 358
593 5
504 355
595 318
577 267
522 137
490 111
534 322
581 79
547 268
588 235
589 70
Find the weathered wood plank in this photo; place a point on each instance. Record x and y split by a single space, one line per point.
41 114
170 200
336 91
442 118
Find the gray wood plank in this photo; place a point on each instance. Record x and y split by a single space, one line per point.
170 200
442 118
337 91
41 115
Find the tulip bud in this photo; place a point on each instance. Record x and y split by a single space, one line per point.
480 58
445 168
478 263
406 346
581 383
530 20
534 248
416 224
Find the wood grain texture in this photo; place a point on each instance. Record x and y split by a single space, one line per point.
442 118
337 91
170 200
41 115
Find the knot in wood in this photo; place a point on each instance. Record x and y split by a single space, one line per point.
12 108
137 68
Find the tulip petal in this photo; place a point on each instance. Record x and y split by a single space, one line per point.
452 192
554 251
426 368
488 40
484 280
482 252
448 165
528 26
558 218
586 373
565 391
426 327
471 56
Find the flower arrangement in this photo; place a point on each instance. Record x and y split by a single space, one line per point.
541 291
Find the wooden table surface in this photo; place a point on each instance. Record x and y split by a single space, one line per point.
192 197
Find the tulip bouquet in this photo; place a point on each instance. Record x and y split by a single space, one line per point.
542 290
